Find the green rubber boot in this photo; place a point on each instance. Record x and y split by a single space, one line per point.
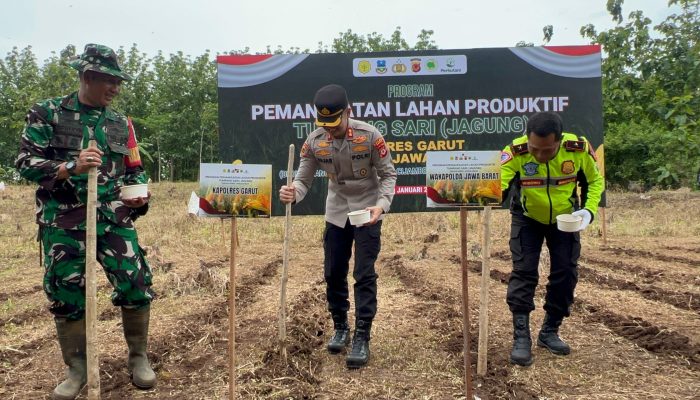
71 338
135 324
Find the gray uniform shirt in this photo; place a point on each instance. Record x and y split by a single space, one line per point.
359 168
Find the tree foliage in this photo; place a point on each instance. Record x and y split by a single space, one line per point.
651 95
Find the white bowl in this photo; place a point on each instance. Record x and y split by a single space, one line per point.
568 222
134 191
359 217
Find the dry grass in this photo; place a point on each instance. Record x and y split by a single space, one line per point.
416 348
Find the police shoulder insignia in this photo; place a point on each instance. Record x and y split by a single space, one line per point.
567 167
323 143
575 145
304 150
322 153
379 143
505 157
360 139
519 149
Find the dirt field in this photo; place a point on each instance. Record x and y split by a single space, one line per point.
634 331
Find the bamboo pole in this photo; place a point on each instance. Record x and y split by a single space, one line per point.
282 314
232 314
604 225
481 364
465 302
93 357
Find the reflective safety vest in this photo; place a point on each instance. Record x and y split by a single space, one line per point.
542 191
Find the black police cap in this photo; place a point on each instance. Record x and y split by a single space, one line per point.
330 102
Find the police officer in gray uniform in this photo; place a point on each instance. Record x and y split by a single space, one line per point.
362 177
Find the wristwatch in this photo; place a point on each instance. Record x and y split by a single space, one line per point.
70 167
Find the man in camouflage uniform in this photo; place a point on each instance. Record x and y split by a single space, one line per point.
55 154
358 164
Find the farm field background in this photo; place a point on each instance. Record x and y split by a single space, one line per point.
634 329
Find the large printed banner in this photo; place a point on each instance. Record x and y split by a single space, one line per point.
442 100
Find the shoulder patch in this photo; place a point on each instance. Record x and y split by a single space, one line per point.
519 149
304 150
505 157
575 145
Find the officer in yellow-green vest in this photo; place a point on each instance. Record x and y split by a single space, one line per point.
540 173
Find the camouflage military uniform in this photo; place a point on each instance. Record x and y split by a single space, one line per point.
56 131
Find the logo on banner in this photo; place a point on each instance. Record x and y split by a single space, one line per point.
450 63
415 64
398 67
431 65
364 66
381 66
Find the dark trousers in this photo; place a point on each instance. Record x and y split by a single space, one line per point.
337 247
526 238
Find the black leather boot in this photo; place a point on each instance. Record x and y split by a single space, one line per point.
522 343
358 356
549 336
341 336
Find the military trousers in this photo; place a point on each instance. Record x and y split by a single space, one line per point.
337 246
120 255
526 239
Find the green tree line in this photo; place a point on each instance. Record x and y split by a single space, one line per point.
651 96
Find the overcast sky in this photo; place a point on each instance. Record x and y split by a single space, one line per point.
220 26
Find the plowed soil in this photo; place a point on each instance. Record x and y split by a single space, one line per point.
634 328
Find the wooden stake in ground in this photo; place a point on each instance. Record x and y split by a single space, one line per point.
465 302
604 225
93 359
232 314
481 362
282 315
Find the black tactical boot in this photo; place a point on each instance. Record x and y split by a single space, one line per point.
341 336
135 324
549 336
522 343
359 354
71 337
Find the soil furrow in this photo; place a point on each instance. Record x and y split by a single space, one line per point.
20 293
684 300
296 377
496 384
656 339
648 254
174 352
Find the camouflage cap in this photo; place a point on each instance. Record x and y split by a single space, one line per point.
99 58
